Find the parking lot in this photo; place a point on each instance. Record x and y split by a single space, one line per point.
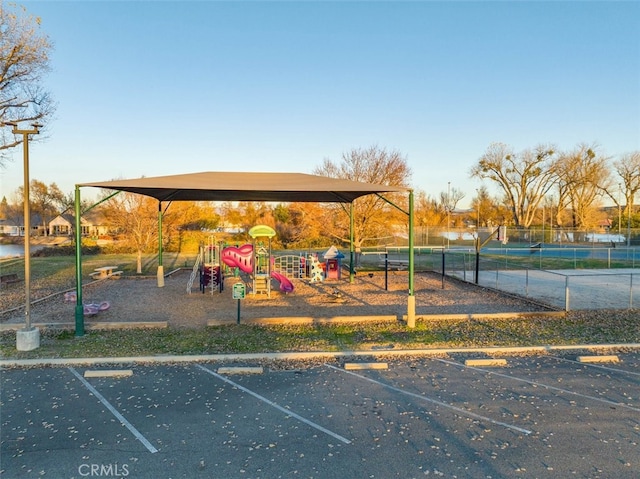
536 416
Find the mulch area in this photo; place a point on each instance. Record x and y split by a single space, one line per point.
140 299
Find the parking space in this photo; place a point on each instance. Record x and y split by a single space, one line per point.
536 416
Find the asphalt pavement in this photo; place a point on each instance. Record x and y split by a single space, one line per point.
551 413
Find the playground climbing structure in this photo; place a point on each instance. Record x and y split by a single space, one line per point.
207 268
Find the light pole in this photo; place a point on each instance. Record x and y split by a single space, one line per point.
448 211
28 338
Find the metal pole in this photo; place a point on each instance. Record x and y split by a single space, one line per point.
352 270
443 266
628 224
619 211
411 300
27 228
79 312
566 293
28 338
386 269
160 271
477 259
448 212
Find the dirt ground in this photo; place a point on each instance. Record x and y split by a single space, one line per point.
136 299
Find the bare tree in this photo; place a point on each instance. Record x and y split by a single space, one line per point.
524 178
372 215
628 168
24 59
449 200
582 175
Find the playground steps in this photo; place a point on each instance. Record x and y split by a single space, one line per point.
261 284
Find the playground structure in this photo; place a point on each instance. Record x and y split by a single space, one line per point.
256 260
208 268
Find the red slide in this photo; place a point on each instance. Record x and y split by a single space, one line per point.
286 286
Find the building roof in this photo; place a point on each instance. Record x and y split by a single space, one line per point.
237 186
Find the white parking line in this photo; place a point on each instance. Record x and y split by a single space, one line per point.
113 410
599 366
275 405
462 412
542 385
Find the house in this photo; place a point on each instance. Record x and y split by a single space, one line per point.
9 228
92 224
15 226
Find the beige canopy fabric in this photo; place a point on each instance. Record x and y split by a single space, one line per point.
235 186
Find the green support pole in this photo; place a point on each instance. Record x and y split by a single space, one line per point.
352 269
79 314
411 301
160 273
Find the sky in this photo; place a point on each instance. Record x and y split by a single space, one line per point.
152 88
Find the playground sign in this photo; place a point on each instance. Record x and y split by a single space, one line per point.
239 291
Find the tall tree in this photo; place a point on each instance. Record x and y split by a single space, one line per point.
485 208
24 60
46 201
135 218
428 211
449 200
372 215
628 169
525 178
298 226
583 173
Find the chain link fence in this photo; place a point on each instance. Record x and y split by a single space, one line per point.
568 278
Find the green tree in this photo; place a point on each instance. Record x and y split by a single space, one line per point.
24 60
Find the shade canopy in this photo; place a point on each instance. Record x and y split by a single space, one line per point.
237 186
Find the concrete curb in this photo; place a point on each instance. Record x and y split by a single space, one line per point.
286 320
293 356
384 318
93 326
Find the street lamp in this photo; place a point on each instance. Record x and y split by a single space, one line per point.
28 338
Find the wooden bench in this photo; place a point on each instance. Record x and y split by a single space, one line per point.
9 278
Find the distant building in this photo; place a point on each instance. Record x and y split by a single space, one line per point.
92 224
15 226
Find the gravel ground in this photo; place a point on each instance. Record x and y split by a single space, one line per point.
140 299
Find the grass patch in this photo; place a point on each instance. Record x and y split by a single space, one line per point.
582 328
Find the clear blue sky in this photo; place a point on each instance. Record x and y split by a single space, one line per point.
158 87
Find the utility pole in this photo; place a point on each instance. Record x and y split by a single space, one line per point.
28 338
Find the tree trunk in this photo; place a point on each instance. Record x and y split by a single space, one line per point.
139 262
